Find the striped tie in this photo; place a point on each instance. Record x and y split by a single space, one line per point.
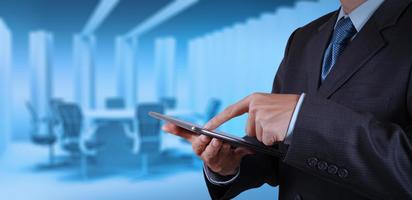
342 35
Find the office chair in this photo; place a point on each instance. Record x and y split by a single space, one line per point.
41 132
115 151
72 140
147 138
71 122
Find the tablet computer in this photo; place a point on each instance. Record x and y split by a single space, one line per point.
248 142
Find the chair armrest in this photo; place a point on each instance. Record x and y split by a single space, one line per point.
128 130
84 142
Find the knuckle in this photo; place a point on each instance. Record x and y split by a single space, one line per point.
229 110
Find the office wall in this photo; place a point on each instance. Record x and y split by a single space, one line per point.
243 58
5 85
41 48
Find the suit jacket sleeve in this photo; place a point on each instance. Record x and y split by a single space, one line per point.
255 170
353 149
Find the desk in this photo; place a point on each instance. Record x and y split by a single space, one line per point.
109 114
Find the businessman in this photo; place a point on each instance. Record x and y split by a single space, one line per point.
341 105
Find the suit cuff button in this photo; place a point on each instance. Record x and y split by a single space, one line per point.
311 162
332 169
322 165
343 173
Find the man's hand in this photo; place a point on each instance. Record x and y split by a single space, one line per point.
218 156
269 115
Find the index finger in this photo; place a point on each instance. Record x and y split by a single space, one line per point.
230 112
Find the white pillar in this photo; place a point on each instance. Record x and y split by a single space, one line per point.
126 70
197 71
84 52
5 85
41 47
165 52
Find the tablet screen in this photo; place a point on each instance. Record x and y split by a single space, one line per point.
249 142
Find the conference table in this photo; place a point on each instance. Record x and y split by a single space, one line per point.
98 116
92 116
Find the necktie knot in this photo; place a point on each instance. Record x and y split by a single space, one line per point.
344 31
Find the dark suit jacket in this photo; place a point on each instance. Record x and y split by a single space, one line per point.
353 135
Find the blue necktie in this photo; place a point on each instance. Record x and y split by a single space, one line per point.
342 35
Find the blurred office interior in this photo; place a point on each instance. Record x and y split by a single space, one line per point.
77 78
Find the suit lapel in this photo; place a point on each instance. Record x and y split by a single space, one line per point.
366 44
318 46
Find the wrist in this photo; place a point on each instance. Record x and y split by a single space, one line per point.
218 179
224 173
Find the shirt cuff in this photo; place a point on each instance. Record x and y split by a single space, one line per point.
217 179
292 122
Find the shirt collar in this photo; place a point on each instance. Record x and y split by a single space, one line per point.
361 14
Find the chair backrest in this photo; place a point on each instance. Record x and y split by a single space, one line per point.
115 103
212 108
71 119
54 112
149 128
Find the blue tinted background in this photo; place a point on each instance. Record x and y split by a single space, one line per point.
223 49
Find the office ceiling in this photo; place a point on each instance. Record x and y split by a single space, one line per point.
69 16
65 17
